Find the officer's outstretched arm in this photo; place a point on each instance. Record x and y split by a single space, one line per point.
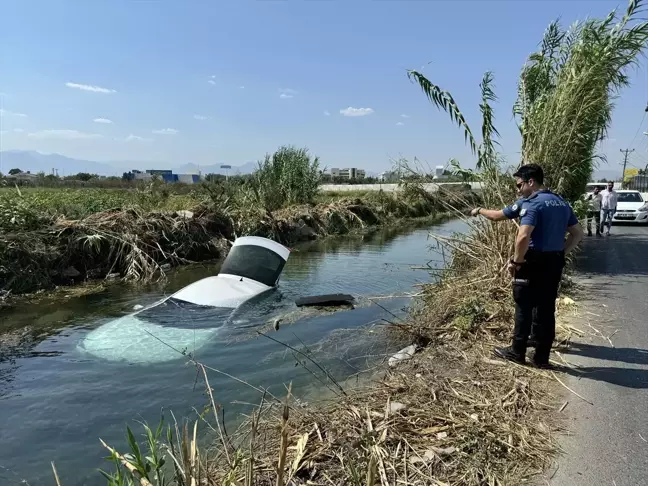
492 214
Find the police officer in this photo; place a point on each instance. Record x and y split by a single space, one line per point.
538 261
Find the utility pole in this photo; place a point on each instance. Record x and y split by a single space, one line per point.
626 152
645 173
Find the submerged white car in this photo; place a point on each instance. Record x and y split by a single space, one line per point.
252 266
187 320
632 207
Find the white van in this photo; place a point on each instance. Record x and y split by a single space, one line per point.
589 188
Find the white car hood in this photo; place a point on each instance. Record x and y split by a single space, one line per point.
625 206
221 291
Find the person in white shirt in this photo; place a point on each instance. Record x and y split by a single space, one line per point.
609 198
594 211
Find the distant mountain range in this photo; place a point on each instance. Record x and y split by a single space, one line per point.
38 162
35 162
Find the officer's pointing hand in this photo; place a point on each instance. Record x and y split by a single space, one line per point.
475 212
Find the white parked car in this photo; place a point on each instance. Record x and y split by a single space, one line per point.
632 207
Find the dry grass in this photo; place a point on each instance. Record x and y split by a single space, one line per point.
446 417
131 244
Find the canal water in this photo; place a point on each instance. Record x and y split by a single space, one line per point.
57 398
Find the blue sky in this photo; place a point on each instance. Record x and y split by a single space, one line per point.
210 82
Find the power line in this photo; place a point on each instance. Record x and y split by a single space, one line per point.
638 129
643 118
643 144
633 166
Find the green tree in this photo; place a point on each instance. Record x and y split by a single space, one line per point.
567 91
289 176
83 176
14 171
566 94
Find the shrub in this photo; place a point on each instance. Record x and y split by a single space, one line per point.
289 176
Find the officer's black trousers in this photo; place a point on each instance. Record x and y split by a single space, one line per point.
535 288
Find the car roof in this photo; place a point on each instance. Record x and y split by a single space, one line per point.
628 190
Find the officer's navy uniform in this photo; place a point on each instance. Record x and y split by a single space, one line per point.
535 285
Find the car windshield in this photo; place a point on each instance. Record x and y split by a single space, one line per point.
181 314
630 197
254 262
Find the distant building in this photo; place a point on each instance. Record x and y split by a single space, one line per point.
639 183
389 176
348 173
138 175
189 178
166 175
23 177
439 172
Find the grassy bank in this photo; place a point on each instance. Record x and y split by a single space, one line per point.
54 237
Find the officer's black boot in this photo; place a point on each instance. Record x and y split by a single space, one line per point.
541 356
510 354
541 361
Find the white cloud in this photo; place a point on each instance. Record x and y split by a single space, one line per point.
11 113
350 111
137 138
103 120
404 116
212 82
241 87
287 93
88 87
165 131
327 113
64 135
213 76
399 124
201 117
15 130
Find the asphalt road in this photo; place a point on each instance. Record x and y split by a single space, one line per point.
607 442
